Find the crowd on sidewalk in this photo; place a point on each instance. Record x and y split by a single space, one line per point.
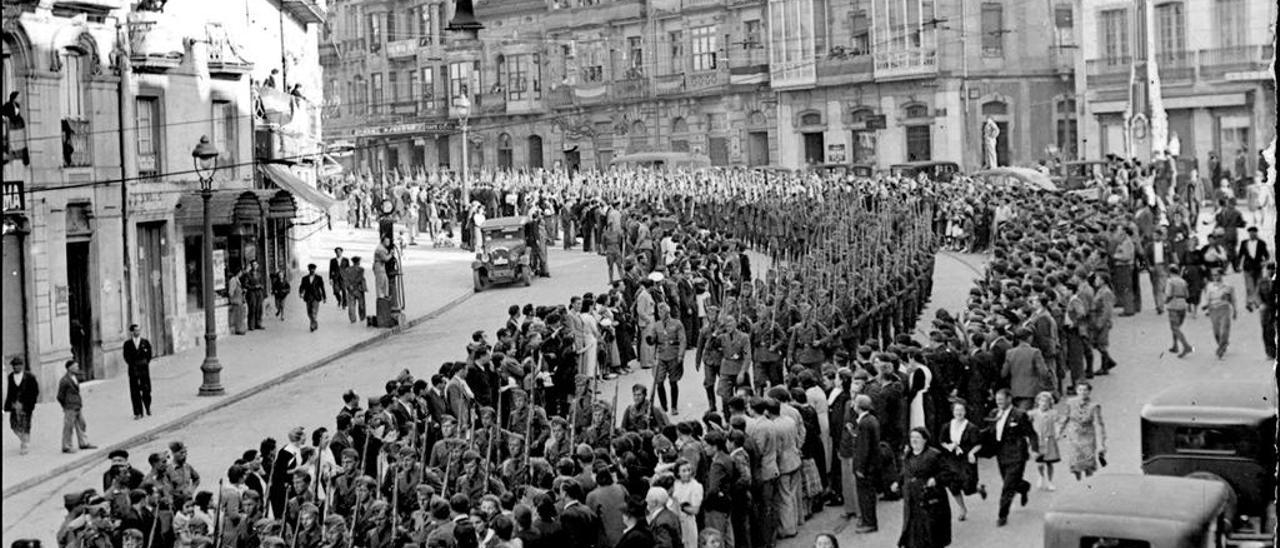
817 391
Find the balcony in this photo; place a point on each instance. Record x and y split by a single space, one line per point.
224 57
755 74
697 4
706 80
1177 66
153 46
305 11
560 97
591 93
1112 71
531 103
76 150
493 103
86 5
1241 63
668 84
845 66
906 63
402 48
630 89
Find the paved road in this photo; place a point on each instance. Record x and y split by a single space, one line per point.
311 399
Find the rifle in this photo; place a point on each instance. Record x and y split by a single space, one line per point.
613 420
395 499
217 518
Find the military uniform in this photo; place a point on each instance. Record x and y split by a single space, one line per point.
768 340
736 362
668 336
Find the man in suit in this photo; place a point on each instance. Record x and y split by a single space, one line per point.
336 277
72 409
580 524
1104 302
1252 255
1014 441
255 292
636 533
1024 367
20 399
311 288
354 284
866 452
663 523
137 354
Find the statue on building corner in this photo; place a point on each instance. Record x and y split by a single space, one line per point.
990 133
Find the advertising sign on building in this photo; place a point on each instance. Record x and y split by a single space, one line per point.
14 196
219 270
835 154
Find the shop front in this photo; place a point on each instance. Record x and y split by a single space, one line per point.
13 298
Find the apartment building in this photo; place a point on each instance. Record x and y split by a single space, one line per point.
575 83
1213 59
886 81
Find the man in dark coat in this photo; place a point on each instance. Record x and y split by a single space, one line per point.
636 533
663 523
137 355
72 407
311 289
1013 441
579 523
866 446
20 397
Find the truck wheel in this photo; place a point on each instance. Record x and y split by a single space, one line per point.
478 281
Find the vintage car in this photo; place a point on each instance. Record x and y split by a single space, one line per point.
1219 430
1136 511
1019 176
937 171
503 256
840 169
1079 174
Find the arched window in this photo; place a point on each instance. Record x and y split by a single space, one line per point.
679 135
639 136
73 81
995 108
811 119
504 151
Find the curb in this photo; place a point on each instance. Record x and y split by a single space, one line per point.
152 434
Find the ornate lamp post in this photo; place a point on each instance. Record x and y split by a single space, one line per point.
462 105
205 158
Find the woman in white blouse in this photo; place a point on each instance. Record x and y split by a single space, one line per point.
686 497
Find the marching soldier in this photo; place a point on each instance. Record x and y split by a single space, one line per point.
668 336
768 341
709 353
736 363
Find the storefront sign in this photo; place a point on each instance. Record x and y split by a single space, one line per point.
1247 75
835 154
60 300
420 127
15 199
149 202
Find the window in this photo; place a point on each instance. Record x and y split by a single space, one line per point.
992 30
635 51
375 98
536 79
1065 119
1171 38
147 124
919 144
72 85
459 80
592 65
352 28
393 80
752 35
428 89
810 119
426 27
517 77
863 143
391 26
1063 18
860 33
360 98
676 39
704 48
1115 36
1215 441
194 251
375 32
224 133
414 92
1230 23
916 111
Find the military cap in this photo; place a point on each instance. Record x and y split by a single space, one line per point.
487 411
448 419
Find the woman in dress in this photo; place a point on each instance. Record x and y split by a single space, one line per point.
919 381
1085 431
589 359
926 515
1045 419
686 496
1193 273
1220 304
961 442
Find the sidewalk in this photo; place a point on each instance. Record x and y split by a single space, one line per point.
435 280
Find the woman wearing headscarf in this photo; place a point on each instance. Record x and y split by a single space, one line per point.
926 515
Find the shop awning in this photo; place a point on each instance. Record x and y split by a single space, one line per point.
225 208
286 180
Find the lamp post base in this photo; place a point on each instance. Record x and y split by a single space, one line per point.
211 385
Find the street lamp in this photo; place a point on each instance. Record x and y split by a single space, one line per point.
462 105
205 158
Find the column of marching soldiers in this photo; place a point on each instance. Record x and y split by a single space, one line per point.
523 440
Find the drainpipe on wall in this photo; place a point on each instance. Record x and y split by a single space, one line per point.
128 163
